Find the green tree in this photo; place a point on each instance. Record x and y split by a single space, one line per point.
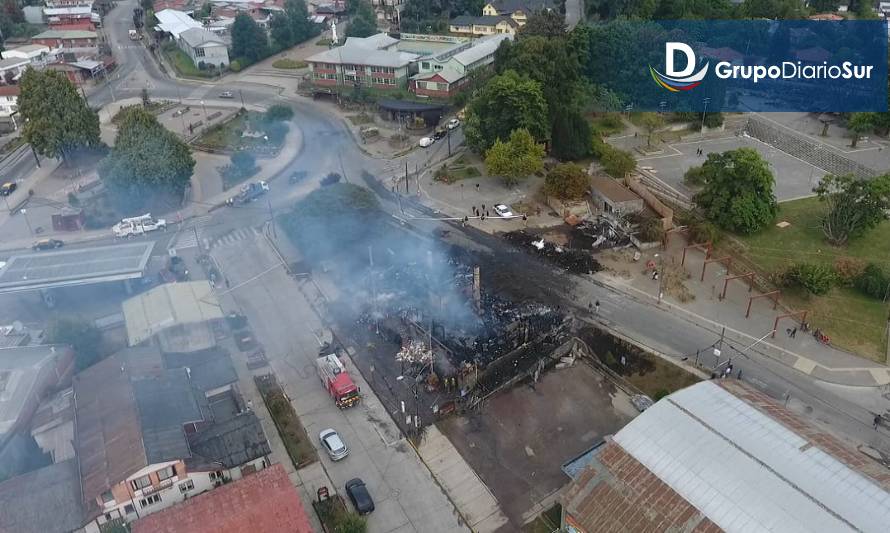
515 159
873 281
815 278
617 163
506 103
567 181
364 23
249 41
651 122
571 135
854 205
858 124
83 337
244 162
56 119
146 159
281 31
549 24
278 113
738 191
332 218
301 27
822 6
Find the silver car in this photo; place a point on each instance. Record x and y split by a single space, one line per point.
333 444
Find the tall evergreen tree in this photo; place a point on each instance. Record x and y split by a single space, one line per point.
249 41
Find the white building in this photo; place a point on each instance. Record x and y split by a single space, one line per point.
204 46
12 69
37 54
175 22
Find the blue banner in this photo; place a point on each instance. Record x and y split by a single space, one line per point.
743 65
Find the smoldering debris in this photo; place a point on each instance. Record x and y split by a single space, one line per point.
570 259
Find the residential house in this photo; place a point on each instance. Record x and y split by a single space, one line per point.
147 437
265 502
12 69
52 425
723 456
482 26
68 3
45 500
518 10
204 46
446 73
71 15
38 54
9 97
27 373
175 22
75 41
181 317
367 62
610 196
390 10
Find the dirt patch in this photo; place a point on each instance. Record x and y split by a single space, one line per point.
518 441
652 375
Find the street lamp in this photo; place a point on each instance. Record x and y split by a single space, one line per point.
660 274
703 113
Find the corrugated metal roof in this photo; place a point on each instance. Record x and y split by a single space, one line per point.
748 472
175 22
481 48
169 305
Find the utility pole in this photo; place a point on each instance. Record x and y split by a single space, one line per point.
272 220
373 289
34 152
241 93
406 178
449 143
703 113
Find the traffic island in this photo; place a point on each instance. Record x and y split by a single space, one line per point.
296 441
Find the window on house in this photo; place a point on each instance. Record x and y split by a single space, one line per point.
199 52
166 473
218 475
129 509
107 496
425 65
437 67
187 486
151 500
140 483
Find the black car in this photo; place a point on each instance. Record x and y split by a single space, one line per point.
8 188
47 244
358 494
439 134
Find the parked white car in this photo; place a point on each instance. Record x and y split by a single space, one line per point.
503 211
333 444
426 141
453 123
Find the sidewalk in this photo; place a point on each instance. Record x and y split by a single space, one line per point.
707 310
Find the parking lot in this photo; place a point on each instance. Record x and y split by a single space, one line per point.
520 438
794 178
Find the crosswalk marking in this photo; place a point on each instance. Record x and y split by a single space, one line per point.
235 236
188 237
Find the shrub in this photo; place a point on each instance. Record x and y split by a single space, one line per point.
279 113
651 230
703 231
202 65
243 161
276 132
695 176
567 181
848 269
815 278
235 65
873 281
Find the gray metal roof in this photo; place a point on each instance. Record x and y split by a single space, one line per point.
21 368
748 472
83 266
199 37
481 48
208 369
358 54
233 442
165 403
44 500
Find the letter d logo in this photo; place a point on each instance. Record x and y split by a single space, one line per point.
670 50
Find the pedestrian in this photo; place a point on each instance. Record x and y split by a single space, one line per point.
877 421
597 306
227 283
589 307
739 376
793 332
655 275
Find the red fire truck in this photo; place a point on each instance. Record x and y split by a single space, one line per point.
336 380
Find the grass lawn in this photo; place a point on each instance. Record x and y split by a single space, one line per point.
288 64
183 63
852 320
296 441
546 522
227 136
607 124
360 119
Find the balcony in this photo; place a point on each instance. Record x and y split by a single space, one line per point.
167 483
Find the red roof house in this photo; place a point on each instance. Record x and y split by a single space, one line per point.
264 502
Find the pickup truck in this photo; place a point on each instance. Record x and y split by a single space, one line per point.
249 193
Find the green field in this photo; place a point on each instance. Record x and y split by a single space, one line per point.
854 322
183 63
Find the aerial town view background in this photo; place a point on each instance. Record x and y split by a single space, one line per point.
423 266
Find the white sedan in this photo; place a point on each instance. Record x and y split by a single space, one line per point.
426 141
503 211
453 123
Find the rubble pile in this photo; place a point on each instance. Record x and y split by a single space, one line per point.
415 352
600 234
572 260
